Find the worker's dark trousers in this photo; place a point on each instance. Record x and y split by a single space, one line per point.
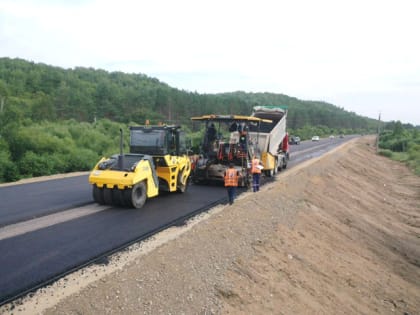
256 182
231 193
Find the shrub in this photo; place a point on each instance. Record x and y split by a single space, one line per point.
385 152
403 146
8 170
81 160
35 165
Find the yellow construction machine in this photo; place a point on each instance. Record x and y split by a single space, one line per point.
226 141
157 162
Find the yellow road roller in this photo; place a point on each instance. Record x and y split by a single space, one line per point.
157 162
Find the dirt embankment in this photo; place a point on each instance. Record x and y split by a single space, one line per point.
337 235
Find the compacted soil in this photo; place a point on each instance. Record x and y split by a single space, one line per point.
338 234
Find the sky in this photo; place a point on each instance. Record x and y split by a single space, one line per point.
360 55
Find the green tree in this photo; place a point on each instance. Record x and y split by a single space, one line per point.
43 107
4 93
398 129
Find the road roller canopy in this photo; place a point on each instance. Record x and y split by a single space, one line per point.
157 140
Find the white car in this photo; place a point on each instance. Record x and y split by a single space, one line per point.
315 138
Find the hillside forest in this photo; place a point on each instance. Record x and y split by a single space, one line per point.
55 120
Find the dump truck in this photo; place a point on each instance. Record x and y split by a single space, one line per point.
226 140
157 162
272 138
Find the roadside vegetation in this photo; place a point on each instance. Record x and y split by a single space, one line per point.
47 148
401 143
55 120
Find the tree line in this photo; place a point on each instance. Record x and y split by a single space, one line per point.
41 92
402 143
61 120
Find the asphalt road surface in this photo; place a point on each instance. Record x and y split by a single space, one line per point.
51 227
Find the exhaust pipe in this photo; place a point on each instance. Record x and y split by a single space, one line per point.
121 156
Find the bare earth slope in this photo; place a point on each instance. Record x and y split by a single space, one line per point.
337 235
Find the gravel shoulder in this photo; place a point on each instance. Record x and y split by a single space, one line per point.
339 234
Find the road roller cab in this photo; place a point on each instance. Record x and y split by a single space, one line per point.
157 162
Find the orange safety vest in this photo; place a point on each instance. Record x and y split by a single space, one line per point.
231 177
254 168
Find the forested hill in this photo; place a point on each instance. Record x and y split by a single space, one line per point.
55 120
39 92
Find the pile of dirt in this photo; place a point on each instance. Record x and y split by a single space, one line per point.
336 235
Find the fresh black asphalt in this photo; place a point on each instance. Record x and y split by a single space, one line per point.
27 201
34 257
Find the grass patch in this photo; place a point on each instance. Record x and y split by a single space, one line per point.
385 152
400 156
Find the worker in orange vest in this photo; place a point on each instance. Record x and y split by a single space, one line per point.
256 167
231 182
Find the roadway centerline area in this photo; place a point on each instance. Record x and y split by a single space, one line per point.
313 148
48 220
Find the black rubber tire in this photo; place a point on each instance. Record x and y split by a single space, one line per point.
248 182
108 196
182 187
98 195
269 173
276 168
138 195
127 197
118 197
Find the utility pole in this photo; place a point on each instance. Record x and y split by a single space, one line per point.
378 132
